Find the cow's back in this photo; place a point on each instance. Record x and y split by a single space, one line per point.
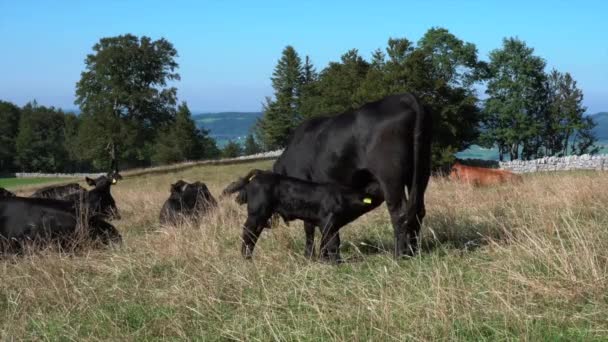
333 149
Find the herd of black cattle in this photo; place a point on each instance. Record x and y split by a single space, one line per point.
333 170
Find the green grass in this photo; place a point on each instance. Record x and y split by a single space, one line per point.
9 183
513 262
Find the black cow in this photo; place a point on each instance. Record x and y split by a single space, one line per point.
42 220
186 201
387 142
330 206
58 191
6 193
98 200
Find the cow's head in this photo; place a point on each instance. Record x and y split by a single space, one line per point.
100 198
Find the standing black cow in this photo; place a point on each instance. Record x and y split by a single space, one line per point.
6 193
387 141
186 201
43 220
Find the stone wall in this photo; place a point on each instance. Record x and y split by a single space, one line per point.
584 162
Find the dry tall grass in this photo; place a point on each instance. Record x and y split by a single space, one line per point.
509 262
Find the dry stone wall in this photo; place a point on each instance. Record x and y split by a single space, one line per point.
584 162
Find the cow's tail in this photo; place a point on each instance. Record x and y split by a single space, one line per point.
421 163
239 186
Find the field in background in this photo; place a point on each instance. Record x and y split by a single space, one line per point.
509 262
10 183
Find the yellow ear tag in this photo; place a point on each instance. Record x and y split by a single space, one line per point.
367 200
113 181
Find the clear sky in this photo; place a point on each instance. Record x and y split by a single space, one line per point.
228 49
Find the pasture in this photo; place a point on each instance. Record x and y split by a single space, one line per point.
525 261
12 183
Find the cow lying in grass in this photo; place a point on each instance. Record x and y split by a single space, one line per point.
43 221
480 176
58 191
186 201
98 200
6 193
329 206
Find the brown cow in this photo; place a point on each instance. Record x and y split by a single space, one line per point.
481 176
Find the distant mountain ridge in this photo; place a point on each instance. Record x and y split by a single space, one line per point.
601 130
226 126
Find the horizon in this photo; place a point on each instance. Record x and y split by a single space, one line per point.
227 52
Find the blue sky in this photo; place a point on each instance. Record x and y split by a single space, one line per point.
228 49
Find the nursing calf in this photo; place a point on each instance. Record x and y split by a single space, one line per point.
329 206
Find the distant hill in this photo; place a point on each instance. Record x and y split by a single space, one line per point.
227 126
601 130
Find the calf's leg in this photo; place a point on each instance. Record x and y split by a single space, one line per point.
330 242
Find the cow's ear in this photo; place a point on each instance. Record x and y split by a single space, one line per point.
89 181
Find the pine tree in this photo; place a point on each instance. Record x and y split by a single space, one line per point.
282 114
251 146
182 140
232 150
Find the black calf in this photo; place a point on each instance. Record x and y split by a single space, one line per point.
329 206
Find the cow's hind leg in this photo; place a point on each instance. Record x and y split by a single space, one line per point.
309 229
396 203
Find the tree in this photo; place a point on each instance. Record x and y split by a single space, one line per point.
517 97
124 97
441 70
566 129
251 146
182 140
9 126
336 89
40 142
75 161
231 150
282 114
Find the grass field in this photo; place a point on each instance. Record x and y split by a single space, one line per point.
525 262
9 183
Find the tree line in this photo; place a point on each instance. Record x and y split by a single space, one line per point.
128 101
528 113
